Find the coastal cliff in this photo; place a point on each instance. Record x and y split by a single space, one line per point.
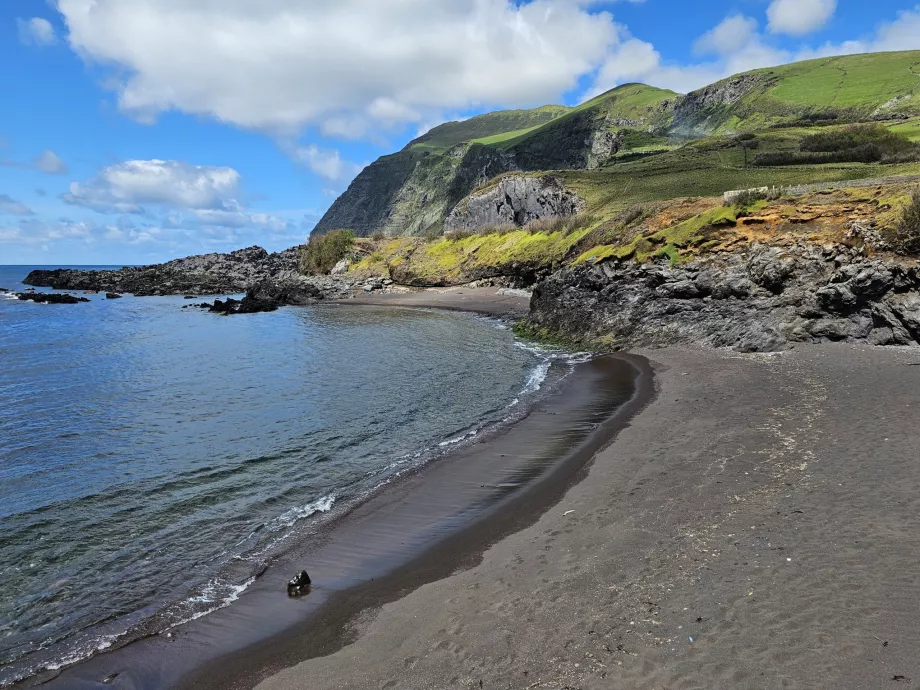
631 134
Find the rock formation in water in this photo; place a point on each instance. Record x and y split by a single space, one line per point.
50 298
206 274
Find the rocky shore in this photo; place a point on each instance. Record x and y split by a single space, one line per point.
206 274
760 298
269 280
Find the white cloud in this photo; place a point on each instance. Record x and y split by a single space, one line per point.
903 33
638 60
126 187
799 17
35 231
10 235
36 31
238 219
348 66
10 205
49 162
729 37
327 163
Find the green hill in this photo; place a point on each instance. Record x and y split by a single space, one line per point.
448 135
845 88
636 143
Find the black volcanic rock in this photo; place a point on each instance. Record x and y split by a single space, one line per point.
206 274
757 299
50 298
112 295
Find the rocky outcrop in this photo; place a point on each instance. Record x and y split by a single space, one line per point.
758 299
412 192
206 274
49 298
516 200
703 111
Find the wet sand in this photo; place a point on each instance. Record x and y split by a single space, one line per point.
756 526
487 301
419 529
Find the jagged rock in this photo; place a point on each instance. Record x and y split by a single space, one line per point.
752 299
50 298
341 267
299 584
516 200
206 274
112 295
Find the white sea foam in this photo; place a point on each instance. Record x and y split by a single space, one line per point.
458 439
215 592
289 518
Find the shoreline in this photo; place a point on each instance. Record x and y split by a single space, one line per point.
755 527
141 655
331 628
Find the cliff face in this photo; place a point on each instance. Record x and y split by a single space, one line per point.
413 191
516 200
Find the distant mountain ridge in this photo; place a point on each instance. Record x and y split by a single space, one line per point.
412 192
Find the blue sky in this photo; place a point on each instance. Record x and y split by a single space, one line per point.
135 132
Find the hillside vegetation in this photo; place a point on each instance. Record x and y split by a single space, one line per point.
877 217
826 120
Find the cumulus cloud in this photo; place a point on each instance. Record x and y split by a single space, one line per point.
10 205
36 231
347 67
239 219
799 17
327 163
729 37
636 60
49 162
36 31
902 33
126 187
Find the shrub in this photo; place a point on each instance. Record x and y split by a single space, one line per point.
458 234
749 197
499 230
907 231
378 235
631 215
323 252
564 224
853 144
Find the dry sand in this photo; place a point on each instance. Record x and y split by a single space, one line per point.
757 526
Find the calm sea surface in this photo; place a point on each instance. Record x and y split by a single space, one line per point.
154 458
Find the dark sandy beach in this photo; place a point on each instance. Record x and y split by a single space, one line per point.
420 528
757 526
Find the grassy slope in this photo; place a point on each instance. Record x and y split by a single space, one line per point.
675 230
448 135
853 85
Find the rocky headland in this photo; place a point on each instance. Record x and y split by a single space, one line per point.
759 298
206 274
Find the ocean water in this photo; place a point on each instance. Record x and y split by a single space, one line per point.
154 459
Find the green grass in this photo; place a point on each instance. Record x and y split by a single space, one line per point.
910 129
848 81
448 135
